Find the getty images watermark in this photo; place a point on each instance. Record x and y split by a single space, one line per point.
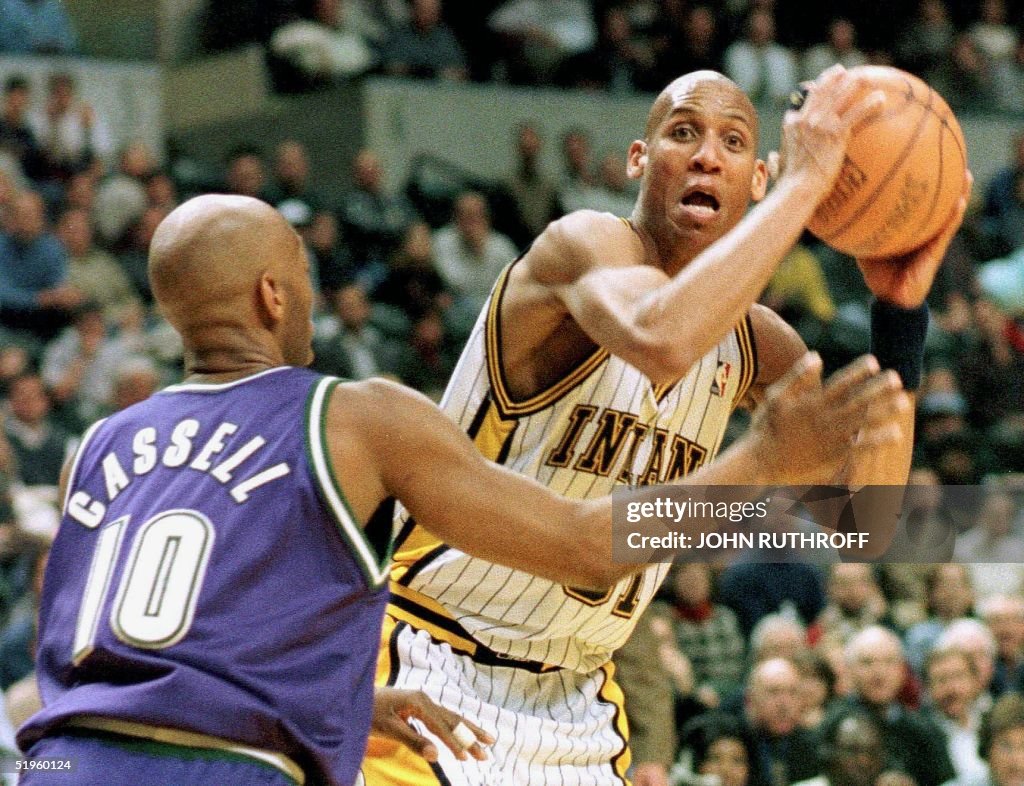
820 524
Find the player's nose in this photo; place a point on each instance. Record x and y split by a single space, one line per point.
707 157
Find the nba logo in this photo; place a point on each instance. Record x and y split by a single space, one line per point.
721 378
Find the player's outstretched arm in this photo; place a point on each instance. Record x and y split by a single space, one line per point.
600 270
388 441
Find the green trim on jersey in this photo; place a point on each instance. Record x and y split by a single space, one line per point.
374 566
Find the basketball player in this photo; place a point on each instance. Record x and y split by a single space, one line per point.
613 352
214 596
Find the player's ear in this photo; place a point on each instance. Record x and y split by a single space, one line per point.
759 182
270 300
636 160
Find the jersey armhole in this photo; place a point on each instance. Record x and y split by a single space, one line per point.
373 563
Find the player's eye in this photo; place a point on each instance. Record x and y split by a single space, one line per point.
735 142
684 133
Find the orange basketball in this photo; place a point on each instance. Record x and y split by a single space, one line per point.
903 174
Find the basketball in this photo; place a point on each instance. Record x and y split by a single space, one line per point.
904 172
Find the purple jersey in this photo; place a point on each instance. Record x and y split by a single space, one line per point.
209 576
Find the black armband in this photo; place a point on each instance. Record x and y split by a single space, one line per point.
897 339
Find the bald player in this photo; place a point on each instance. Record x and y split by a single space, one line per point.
214 596
613 352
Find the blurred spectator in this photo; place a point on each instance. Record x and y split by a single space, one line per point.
121 198
34 289
692 43
1002 742
92 271
877 672
1004 616
764 69
992 539
966 79
36 27
40 445
708 633
412 283
135 379
539 35
17 640
534 194
717 745
72 136
323 47
817 687
246 174
841 47
784 752
292 193
852 751
950 596
621 62
1002 197
427 360
80 194
577 177
425 47
855 602
134 254
328 256
955 691
469 253
927 41
373 221
799 293
375 19
777 636
1009 79
972 637
17 139
995 39
161 191
347 345
614 192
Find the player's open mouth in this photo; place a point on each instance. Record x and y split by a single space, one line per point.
701 205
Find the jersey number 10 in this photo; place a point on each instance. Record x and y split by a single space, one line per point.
156 597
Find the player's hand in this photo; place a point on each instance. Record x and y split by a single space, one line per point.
814 137
906 280
393 708
805 428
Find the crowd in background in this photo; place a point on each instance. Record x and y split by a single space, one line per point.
769 659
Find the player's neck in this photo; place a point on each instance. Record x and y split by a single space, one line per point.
663 252
216 366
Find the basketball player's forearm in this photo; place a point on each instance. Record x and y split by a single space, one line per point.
884 465
719 286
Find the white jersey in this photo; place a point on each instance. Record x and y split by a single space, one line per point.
602 425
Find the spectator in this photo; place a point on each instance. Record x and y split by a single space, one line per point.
718 746
469 253
17 139
347 345
950 596
855 602
135 379
246 175
161 192
540 35
694 45
1002 199
614 192
72 135
292 193
784 752
425 47
927 42
134 255
92 271
992 539
17 641
1002 741
955 691
34 293
764 69
841 47
1004 616
621 62
577 178
995 40
777 635
36 27
373 221
412 283
534 194
817 687
322 48
965 80
1009 82
329 258
852 751
977 641
40 445
121 198
877 671
427 360
708 633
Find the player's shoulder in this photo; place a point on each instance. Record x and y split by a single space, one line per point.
369 405
579 241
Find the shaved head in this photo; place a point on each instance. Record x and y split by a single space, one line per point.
706 85
218 265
